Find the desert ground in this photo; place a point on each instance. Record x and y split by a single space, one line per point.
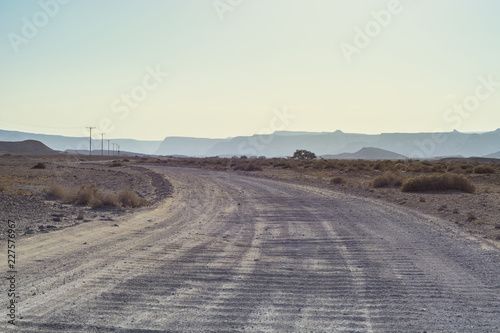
224 245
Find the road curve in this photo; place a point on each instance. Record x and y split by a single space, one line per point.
233 253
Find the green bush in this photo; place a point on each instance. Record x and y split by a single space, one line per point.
303 154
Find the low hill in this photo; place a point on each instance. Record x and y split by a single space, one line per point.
26 147
493 155
367 153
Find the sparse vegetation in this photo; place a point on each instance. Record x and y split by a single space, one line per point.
338 180
246 167
115 164
58 192
89 195
240 167
39 165
484 169
471 216
129 198
388 179
447 181
253 167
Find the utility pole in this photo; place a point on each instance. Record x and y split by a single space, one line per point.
102 143
114 146
118 150
90 146
108 146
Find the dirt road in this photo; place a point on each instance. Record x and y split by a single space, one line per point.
233 253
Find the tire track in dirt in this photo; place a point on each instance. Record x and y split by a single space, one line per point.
231 253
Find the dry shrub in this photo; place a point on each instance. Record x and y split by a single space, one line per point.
338 180
253 167
471 216
284 165
438 168
115 164
109 199
442 182
239 168
388 179
39 165
57 191
330 165
129 198
318 165
89 195
483 169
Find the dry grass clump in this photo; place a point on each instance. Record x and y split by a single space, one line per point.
128 198
90 195
253 167
115 164
39 165
247 167
338 180
239 167
483 169
388 179
282 164
58 192
442 182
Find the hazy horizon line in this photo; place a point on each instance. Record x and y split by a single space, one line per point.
256 134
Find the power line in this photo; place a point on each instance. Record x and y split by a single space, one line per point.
102 143
90 148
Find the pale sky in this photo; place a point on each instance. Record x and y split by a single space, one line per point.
149 69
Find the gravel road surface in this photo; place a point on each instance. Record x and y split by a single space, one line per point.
232 253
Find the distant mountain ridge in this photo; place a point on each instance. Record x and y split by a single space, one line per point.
412 145
284 143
